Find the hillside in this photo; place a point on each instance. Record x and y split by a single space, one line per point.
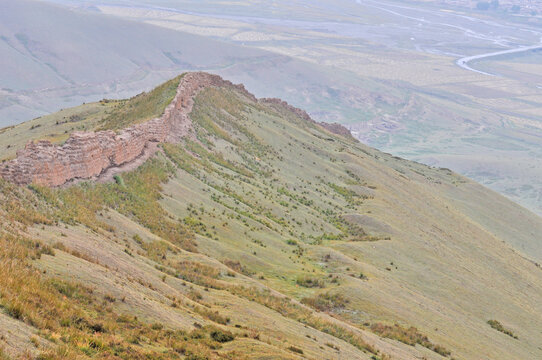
259 234
395 83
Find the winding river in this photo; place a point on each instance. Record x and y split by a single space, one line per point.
464 62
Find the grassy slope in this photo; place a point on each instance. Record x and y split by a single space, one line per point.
142 107
55 127
104 115
262 196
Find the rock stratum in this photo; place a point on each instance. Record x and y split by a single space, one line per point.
88 155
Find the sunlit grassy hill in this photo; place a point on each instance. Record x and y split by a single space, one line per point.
266 237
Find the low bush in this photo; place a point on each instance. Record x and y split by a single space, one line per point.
285 307
222 336
499 327
326 302
212 315
295 349
309 281
410 336
237 266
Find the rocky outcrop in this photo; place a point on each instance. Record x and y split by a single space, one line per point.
95 155
86 155
338 129
334 128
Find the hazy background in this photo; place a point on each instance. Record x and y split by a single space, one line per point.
387 69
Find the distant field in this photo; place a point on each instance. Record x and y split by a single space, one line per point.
525 67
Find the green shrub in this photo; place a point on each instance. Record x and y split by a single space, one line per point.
295 349
410 336
499 327
119 180
212 315
222 336
309 281
157 326
326 302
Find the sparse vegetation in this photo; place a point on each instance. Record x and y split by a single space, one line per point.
237 266
309 281
285 307
140 108
326 302
222 336
410 336
295 349
213 316
72 312
499 327
137 196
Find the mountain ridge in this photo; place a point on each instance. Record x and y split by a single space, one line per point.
100 155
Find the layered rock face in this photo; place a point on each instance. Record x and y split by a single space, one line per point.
86 155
